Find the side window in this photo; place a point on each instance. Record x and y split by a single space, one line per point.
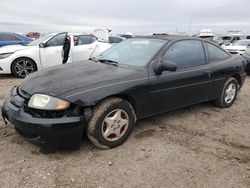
214 53
7 37
84 39
187 53
57 40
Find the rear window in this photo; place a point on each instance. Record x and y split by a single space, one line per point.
214 53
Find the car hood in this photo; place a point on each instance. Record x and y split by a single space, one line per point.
69 79
13 48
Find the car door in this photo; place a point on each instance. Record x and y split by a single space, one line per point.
51 54
188 85
219 61
84 47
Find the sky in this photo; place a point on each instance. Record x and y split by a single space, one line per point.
136 16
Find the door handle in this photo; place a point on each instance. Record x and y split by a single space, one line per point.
208 73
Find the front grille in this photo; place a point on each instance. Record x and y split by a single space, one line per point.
48 113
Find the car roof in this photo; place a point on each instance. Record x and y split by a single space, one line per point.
11 33
168 37
17 35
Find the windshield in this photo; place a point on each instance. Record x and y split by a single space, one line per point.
134 52
39 40
241 43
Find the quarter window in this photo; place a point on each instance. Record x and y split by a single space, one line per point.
8 37
187 53
85 39
214 53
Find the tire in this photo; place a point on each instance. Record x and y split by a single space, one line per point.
227 97
22 67
104 134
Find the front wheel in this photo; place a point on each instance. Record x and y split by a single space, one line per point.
111 123
228 93
22 67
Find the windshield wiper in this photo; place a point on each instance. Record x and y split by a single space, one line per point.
108 61
94 59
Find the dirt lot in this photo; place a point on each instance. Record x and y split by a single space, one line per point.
199 146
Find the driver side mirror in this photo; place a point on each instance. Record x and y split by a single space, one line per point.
42 45
164 65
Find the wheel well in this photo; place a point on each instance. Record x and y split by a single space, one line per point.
128 98
238 78
21 58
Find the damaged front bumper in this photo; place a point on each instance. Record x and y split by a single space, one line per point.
52 132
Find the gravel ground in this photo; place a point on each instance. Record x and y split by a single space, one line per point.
198 146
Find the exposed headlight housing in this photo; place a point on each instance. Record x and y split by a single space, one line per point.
5 55
45 102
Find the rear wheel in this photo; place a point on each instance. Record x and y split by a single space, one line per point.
228 93
22 67
111 123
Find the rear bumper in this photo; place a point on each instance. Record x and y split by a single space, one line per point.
64 132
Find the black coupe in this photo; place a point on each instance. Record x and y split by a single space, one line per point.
135 79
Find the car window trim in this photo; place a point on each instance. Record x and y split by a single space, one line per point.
187 69
171 43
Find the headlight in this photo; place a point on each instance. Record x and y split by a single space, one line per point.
5 55
45 102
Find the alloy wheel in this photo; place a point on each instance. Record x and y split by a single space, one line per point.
24 68
230 93
115 125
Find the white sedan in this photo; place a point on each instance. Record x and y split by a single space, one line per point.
50 50
238 47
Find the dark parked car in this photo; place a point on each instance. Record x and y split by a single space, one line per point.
247 56
13 39
133 80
